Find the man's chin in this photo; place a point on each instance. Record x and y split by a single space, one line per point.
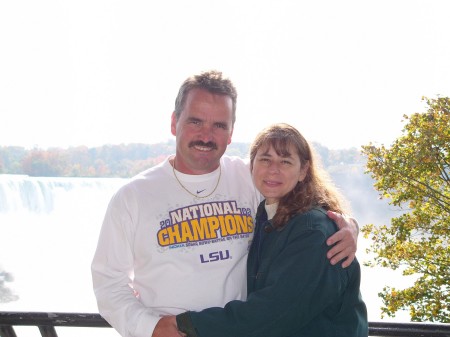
205 164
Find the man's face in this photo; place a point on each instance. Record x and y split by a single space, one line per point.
203 131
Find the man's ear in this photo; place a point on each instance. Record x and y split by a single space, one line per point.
173 124
230 136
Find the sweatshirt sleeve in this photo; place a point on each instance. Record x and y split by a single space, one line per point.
112 270
301 283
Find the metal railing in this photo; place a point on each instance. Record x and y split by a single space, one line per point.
47 321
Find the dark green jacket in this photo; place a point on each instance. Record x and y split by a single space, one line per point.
293 290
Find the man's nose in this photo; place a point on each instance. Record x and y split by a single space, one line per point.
206 133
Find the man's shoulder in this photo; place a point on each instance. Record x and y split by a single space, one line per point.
154 173
234 161
236 167
150 179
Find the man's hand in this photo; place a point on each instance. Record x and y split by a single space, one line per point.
346 239
167 327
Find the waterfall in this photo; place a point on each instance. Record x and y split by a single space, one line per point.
49 228
21 193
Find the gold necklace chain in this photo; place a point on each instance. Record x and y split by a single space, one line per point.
197 196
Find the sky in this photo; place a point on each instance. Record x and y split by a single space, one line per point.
95 72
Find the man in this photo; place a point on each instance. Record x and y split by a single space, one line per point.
176 237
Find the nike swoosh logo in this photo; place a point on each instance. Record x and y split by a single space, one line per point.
198 192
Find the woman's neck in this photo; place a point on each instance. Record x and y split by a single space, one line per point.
271 209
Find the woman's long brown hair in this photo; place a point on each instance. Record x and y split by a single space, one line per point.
315 190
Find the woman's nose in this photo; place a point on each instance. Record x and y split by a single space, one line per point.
274 168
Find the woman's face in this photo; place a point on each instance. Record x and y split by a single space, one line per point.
275 176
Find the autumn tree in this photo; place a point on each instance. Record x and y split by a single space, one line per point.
42 163
414 174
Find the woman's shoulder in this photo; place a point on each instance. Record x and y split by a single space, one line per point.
315 219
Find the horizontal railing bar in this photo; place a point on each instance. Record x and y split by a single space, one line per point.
409 329
46 321
53 319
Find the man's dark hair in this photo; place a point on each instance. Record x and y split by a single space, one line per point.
212 81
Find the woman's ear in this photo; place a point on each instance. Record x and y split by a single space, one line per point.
303 171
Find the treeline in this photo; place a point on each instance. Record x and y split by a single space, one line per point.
124 160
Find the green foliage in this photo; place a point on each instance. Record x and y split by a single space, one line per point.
414 173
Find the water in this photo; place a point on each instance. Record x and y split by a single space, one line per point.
48 233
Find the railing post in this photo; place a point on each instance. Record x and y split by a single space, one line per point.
7 331
47 331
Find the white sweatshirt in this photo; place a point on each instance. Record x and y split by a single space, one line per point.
163 251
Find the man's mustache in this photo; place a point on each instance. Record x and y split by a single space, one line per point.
211 145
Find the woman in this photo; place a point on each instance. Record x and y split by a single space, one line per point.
292 288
